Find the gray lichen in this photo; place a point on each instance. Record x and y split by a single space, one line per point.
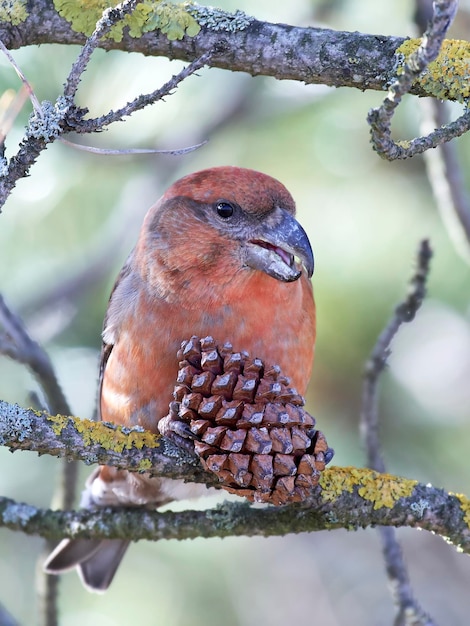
3 167
419 507
18 514
46 123
15 424
218 20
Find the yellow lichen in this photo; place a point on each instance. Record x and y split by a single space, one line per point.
59 422
13 11
335 480
145 464
109 436
446 78
382 489
83 14
465 506
170 18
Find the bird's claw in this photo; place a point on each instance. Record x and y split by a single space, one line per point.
178 431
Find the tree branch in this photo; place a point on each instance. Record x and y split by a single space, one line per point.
16 343
310 55
351 498
408 607
78 439
404 312
380 119
348 498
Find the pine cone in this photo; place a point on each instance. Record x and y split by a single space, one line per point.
248 426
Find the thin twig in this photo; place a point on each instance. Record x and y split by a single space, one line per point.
405 312
446 178
64 116
409 611
6 619
443 166
130 151
103 26
142 101
53 120
102 256
380 118
16 343
26 84
10 111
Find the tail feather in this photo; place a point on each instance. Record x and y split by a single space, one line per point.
97 572
98 559
95 560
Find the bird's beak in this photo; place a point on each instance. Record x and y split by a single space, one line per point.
274 247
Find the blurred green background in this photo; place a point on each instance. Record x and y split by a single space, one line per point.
66 231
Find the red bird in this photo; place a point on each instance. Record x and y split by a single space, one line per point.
215 256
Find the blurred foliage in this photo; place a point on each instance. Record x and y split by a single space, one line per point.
78 214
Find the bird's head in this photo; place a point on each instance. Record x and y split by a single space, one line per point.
227 218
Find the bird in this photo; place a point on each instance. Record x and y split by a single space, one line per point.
220 254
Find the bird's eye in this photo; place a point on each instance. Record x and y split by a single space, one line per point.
224 209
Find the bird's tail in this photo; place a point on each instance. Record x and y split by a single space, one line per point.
96 560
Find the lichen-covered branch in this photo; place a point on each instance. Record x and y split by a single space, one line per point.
348 498
417 67
104 24
306 54
92 442
50 121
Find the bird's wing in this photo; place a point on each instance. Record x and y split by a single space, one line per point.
109 334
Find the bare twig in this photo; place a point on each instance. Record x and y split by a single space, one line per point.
130 151
88 126
6 619
405 312
443 166
380 118
16 343
103 26
447 181
409 611
47 590
26 84
52 121
10 105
